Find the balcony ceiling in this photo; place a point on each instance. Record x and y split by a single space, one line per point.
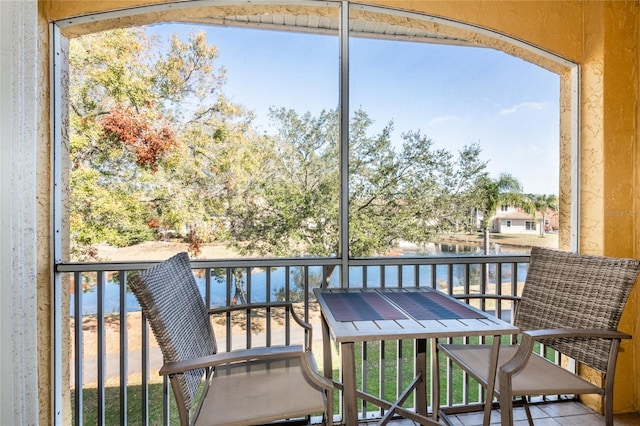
364 22
330 24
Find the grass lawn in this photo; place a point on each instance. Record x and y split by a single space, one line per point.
550 240
134 405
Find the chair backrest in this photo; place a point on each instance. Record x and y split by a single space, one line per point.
171 302
572 290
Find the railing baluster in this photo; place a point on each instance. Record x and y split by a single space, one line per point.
466 384
514 292
399 369
449 376
229 282
305 292
287 318
144 396
268 299
124 350
249 342
166 412
498 312
365 375
434 276
101 350
207 287
79 349
383 362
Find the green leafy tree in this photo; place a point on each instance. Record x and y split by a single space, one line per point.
288 205
542 203
492 193
439 187
292 208
150 137
414 194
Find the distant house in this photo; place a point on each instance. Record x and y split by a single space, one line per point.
513 220
517 222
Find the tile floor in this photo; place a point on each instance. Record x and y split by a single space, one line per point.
552 414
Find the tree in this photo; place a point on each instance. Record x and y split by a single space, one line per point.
289 204
442 187
292 206
147 122
412 195
491 193
543 203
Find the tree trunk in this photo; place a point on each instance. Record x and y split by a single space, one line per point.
485 266
241 292
327 272
486 240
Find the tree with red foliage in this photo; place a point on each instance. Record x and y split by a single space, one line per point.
150 140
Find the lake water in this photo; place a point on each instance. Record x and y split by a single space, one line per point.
258 288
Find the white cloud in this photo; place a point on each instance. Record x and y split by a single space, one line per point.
444 118
524 106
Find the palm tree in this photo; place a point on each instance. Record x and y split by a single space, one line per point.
494 192
542 203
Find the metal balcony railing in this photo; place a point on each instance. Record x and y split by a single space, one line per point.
113 360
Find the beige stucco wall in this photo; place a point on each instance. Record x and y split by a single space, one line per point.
601 36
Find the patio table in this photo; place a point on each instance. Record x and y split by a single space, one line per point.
374 314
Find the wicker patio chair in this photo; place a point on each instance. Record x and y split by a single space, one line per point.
571 303
240 387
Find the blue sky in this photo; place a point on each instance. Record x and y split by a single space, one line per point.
454 95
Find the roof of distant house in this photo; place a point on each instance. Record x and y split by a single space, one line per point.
518 215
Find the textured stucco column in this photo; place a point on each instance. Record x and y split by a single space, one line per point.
620 215
609 135
18 147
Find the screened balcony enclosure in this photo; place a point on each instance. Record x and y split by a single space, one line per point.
55 373
338 215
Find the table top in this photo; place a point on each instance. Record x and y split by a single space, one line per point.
367 314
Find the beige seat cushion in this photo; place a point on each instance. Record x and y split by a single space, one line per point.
539 377
263 392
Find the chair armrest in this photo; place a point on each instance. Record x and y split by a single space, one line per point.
558 333
249 306
307 361
264 305
262 353
311 370
525 349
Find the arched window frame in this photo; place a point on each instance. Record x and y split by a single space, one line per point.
454 33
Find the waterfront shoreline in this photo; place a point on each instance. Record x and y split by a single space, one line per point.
160 250
550 240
